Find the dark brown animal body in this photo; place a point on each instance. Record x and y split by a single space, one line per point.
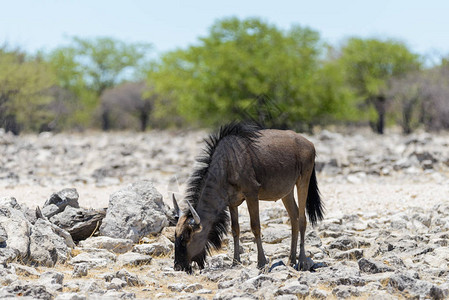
244 162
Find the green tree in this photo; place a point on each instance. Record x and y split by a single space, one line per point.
335 101
245 67
24 85
370 64
105 62
78 99
90 66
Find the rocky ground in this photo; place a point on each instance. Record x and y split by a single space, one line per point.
385 234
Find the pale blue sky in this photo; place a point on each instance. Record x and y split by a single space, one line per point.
45 24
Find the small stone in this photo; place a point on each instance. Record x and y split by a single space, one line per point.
227 283
3 235
371 266
272 214
343 291
162 247
219 261
294 288
52 280
26 271
7 275
350 280
113 294
275 233
70 296
353 254
116 284
233 294
193 287
160 295
253 284
130 279
319 294
94 258
176 287
72 286
61 199
286 297
439 292
394 261
415 287
344 243
204 291
80 270
427 164
133 259
92 286
28 290
115 245
51 277
50 210
308 278
8 255
313 239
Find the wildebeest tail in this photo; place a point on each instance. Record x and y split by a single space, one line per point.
314 205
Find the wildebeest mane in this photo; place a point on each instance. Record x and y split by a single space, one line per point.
248 132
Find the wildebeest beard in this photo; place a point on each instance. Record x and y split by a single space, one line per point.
200 259
181 258
181 261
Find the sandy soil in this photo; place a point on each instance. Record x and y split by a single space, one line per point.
339 198
163 156
98 165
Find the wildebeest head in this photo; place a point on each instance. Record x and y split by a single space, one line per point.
189 242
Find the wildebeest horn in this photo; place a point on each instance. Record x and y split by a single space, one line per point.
175 205
194 213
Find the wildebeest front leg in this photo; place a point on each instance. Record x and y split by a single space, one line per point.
292 209
253 208
235 233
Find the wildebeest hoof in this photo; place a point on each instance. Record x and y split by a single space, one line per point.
261 265
305 265
236 263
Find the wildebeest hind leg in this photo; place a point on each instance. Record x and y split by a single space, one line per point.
293 213
253 208
303 188
235 233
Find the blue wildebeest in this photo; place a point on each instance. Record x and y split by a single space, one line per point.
244 162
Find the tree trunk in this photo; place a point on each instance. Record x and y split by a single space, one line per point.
380 106
407 114
143 121
106 122
11 125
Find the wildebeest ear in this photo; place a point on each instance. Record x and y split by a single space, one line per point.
176 207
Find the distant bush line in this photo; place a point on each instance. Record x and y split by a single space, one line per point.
243 69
